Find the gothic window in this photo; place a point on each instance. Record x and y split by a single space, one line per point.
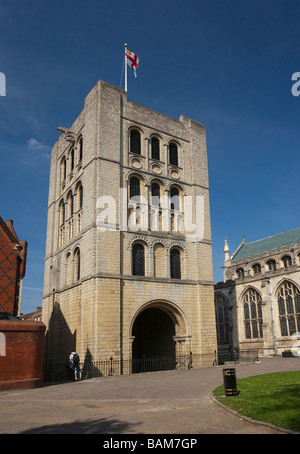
63 169
174 199
240 273
173 154
138 260
253 320
288 298
77 264
271 264
135 142
68 269
155 148
175 265
79 195
287 261
256 268
155 194
61 213
70 204
222 318
80 149
135 189
72 159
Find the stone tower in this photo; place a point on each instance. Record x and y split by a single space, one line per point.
128 266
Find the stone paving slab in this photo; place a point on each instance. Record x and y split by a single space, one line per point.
167 402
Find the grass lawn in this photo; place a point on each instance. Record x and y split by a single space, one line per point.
272 398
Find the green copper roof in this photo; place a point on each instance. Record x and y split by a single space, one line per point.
268 244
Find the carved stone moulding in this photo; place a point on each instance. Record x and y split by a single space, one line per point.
156 169
136 163
174 174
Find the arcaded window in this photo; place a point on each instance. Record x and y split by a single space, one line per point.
77 264
135 141
288 298
173 154
155 152
222 318
155 194
70 204
80 152
271 264
63 169
61 213
287 261
253 319
134 189
68 268
175 264
72 159
138 260
174 193
240 273
256 268
79 195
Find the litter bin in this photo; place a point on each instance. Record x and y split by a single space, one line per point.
230 386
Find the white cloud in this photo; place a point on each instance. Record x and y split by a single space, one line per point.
34 144
41 149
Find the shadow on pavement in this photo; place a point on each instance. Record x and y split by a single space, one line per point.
99 426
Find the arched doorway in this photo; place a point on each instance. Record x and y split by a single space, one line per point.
153 347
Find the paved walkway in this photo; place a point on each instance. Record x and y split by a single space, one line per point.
169 402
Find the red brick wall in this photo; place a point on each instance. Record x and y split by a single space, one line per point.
8 275
22 365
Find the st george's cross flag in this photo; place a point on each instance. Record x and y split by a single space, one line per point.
132 60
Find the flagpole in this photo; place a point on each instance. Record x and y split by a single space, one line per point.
125 67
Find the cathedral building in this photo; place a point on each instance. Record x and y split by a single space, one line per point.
258 304
128 265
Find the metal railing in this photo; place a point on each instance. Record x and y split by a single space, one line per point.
112 367
237 356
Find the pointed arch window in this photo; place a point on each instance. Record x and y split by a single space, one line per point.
253 319
173 154
138 260
222 318
63 169
77 264
135 142
80 149
175 264
68 269
79 195
288 298
70 204
72 159
155 152
61 213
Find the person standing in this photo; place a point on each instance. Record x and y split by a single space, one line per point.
74 365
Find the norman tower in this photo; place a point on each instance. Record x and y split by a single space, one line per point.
128 266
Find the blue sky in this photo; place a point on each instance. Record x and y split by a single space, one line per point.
227 64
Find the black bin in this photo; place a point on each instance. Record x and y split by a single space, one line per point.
230 386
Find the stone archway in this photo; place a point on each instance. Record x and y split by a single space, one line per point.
158 335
